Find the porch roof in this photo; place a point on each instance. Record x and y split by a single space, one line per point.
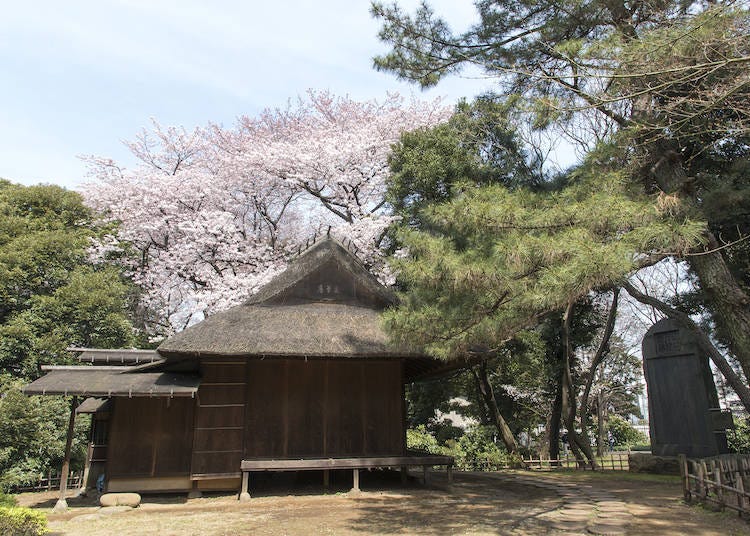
112 381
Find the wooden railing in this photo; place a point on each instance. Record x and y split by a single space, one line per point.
50 481
721 480
614 461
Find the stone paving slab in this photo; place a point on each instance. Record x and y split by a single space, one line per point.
573 517
584 509
578 526
606 529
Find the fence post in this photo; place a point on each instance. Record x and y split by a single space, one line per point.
740 485
704 478
718 480
685 476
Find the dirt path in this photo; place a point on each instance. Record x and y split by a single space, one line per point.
512 503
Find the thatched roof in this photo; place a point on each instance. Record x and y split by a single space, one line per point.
325 304
112 381
315 329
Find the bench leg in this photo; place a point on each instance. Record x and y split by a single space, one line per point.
245 487
355 480
426 474
326 479
450 474
404 475
195 493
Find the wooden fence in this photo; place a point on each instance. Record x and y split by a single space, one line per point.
50 481
614 461
721 480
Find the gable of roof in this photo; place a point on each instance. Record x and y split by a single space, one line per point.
326 272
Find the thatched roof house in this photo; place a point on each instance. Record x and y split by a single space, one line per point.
300 376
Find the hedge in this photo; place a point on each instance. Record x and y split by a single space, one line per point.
19 521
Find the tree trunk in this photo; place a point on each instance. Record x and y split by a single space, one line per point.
601 439
704 343
61 503
579 443
554 424
601 353
729 304
485 388
544 444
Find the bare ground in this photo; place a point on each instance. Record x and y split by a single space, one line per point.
478 504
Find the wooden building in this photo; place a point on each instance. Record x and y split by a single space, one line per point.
299 377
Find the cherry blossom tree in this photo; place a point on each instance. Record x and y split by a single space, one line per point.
209 215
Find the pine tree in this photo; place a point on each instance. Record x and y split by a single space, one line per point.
663 84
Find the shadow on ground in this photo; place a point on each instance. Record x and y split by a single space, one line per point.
302 483
478 504
471 505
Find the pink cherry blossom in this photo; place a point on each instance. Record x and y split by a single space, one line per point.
210 215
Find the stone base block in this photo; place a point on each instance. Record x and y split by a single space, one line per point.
642 462
120 499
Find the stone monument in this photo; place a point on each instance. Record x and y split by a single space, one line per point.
683 407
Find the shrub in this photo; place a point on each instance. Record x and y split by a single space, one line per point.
18 521
420 439
479 451
475 450
445 431
7 500
623 432
739 438
32 434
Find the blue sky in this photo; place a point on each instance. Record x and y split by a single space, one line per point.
78 77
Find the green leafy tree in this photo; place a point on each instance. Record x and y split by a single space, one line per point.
449 164
51 298
478 145
32 435
656 90
494 261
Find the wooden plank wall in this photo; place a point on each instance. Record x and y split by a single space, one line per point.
323 408
150 437
273 408
219 418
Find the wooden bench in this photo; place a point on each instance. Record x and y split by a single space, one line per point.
355 464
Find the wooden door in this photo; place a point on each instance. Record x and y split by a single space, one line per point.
219 418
